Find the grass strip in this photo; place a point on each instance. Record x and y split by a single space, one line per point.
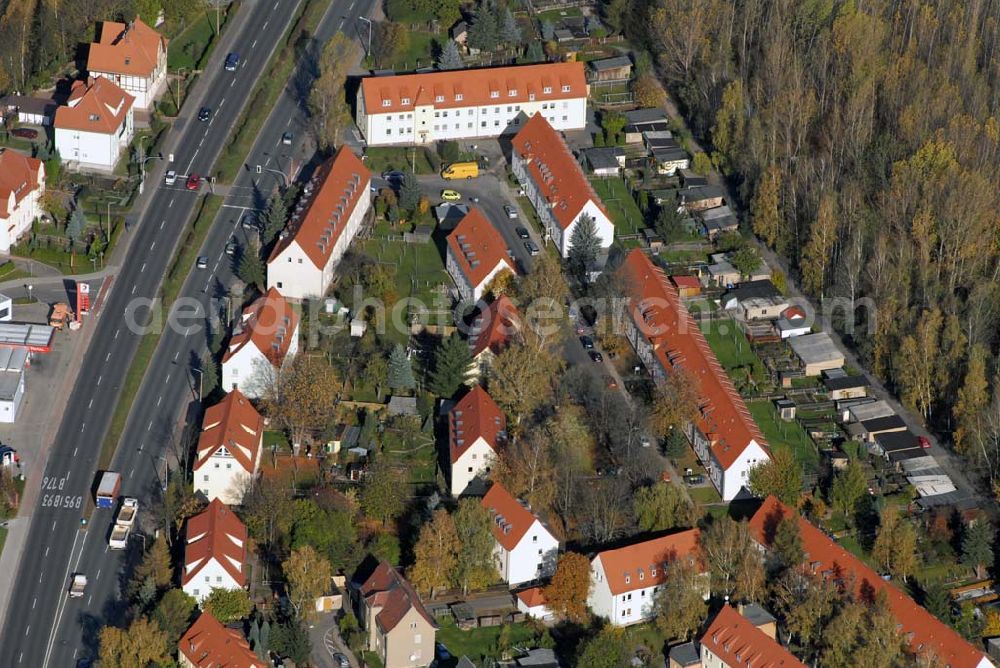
183 261
265 94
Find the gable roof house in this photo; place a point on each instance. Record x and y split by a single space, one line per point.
924 634
733 641
476 254
209 644
266 335
215 552
525 548
229 449
617 68
755 300
491 332
132 55
699 198
398 627
322 226
624 581
723 274
22 184
476 427
554 182
667 339
95 126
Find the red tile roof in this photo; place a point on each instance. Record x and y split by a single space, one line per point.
269 323
126 49
473 88
209 644
18 176
95 105
678 341
475 416
684 281
233 424
642 563
824 556
496 326
337 187
532 597
554 170
509 518
216 533
477 247
385 588
736 641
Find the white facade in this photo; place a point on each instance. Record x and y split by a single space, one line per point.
533 557
95 150
20 215
12 393
222 477
476 460
624 609
210 576
425 124
727 480
145 90
466 290
248 369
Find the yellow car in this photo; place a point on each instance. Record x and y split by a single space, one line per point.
450 195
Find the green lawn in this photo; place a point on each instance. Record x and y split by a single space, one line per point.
419 52
477 643
781 434
192 47
276 438
625 213
705 495
682 257
410 449
729 344
389 158
3 538
554 15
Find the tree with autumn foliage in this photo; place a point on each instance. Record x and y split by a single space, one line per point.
520 380
435 554
680 603
733 559
308 574
675 404
141 644
765 212
567 592
895 547
818 252
474 565
781 476
302 396
527 470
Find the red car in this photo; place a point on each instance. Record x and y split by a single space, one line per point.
25 133
923 441
193 182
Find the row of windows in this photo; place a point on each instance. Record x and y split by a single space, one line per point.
458 126
494 94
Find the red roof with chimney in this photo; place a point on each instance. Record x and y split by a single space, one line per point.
477 247
641 565
475 416
385 588
510 519
336 189
269 324
678 342
554 170
233 424
736 641
95 105
216 533
496 326
132 49
18 176
923 631
209 644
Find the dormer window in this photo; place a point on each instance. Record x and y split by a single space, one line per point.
642 576
565 88
458 97
547 90
494 93
386 103
512 92
439 98
628 579
405 100
531 96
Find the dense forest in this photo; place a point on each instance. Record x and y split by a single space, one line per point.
864 141
39 37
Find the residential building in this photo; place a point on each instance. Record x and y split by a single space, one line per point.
926 635
491 332
209 644
793 322
22 184
215 552
476 254
466 104
525 549
555 183
667 155
95 126
755 300
667 339
476 427
732 641
532 603
266 335
132 55
624 581
229 449
333 207
397 626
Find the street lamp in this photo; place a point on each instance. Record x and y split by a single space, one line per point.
163 485
30 288
368 52
201 378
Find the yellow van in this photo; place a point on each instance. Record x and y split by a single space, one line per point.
461 170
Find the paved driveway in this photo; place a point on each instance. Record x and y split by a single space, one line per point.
326 641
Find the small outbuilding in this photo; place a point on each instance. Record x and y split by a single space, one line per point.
817 352
618 68
605 160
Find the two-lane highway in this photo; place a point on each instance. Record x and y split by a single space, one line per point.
55 544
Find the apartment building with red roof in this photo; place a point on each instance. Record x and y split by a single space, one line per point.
732 641
556 185
525 548
624 581
397 626
333 206
492 331
465 104
215 552
22 184
132 55
476 428
926 636
476 254
229 449
95 126
667 339
266 335
209 644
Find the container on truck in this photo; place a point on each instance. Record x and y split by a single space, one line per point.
78 585
107 490
127 513
461 170
119 537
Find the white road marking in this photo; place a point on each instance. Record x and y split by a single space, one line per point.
201 142
176 355
89 599
91 404
159 399
53 525
253 44
98 574
116 332
222 103
108 357
152 246
82 427
171 203
167 379
28 630
34 602
20 657
46 552
149 426
188 170
232 83
162 223
143 267
74 454
133 292
265 25
100 377
131 471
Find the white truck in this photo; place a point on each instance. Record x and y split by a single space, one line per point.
118 540
78 585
